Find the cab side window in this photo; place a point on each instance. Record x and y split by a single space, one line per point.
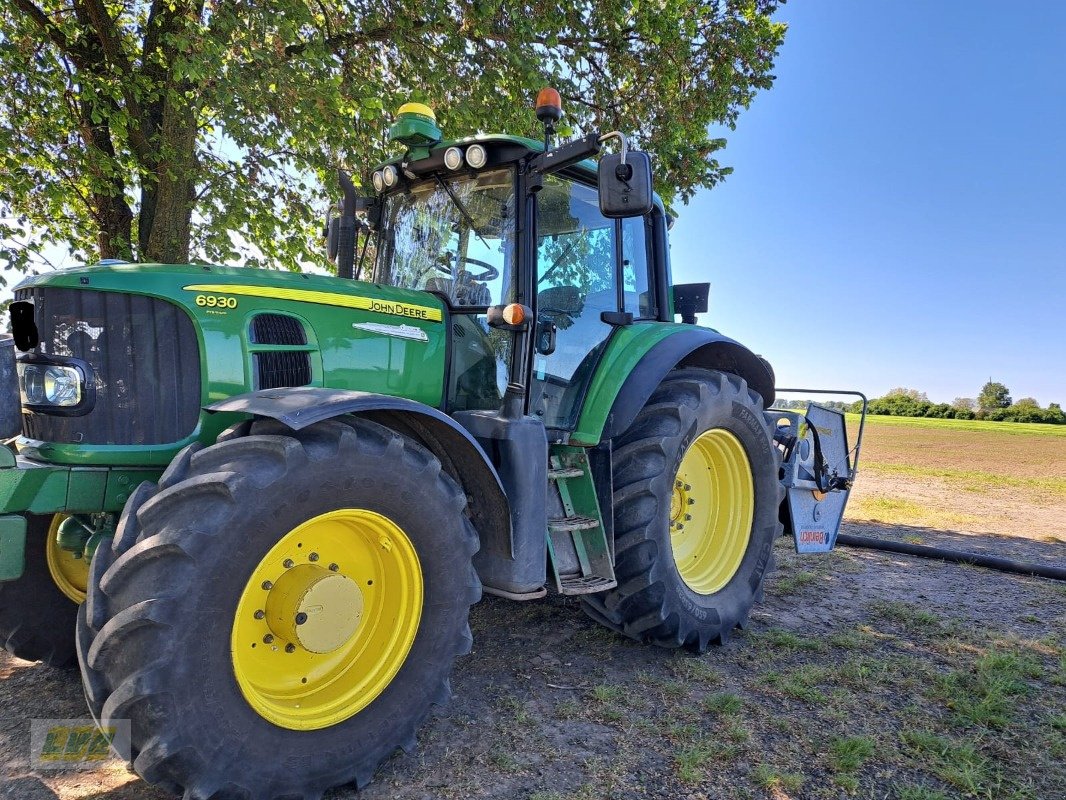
635 268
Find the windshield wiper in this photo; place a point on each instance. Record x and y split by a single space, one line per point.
462 209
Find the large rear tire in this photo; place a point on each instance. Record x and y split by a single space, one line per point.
279 615
696 497
36 616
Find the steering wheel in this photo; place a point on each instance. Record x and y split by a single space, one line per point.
490 273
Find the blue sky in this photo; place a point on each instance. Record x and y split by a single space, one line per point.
897 216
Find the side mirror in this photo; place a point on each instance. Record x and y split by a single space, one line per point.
690 299
625 189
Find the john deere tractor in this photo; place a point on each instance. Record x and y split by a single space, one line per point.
256 506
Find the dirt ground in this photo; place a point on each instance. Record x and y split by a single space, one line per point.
862 674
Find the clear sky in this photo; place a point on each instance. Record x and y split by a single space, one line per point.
897 216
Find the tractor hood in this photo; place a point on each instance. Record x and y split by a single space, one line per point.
156 343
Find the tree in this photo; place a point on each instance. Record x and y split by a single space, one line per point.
165 129
964 404
911 394
993 395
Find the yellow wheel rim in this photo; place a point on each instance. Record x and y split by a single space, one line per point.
70 572
711 511
327 619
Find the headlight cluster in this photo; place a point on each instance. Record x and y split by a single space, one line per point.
56 385
474 157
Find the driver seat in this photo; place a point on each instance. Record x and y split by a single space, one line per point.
461 291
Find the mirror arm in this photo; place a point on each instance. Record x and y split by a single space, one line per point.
566 155
621 137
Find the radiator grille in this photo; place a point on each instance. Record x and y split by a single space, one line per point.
277 329
275 368
145 359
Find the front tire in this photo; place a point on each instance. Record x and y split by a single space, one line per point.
278 617
696 498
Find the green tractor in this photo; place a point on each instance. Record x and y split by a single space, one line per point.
257 506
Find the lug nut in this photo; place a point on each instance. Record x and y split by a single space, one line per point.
268 638
260 614
268 585
301 618
691 502
688 488
290 648
333 567
688 517
313 557
288 563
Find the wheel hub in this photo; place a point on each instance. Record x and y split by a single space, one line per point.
314 608
711 511
326 619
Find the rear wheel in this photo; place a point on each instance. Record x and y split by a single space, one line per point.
281 613
696 497
37 611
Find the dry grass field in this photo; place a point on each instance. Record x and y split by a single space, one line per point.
862 674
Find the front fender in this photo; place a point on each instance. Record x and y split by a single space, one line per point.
458 451
637 359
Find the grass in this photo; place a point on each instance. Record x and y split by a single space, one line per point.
986 695
770 778
972 480
848 753
905 512
911 617
801 683
957 762
723 703
788 584
920 793
965 425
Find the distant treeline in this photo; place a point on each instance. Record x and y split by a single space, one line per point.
993 403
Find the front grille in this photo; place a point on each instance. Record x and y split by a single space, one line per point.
145 359
276 368
277 329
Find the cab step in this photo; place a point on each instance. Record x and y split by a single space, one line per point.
565 472
578 523
580 553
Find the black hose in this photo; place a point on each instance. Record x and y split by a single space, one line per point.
955 556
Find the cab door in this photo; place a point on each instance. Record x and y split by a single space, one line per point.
579 259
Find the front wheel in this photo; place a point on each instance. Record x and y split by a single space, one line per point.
696 498
281 613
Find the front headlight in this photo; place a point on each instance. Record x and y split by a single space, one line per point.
50 385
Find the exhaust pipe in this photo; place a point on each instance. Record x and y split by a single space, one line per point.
346 229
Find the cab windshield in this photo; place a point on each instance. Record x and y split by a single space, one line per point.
454 235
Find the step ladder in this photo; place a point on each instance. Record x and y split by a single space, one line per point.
580 554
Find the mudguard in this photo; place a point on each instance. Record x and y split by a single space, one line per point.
684 346
460 454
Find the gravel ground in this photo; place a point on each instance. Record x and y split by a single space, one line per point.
854 650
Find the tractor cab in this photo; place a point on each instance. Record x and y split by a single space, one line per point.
491 222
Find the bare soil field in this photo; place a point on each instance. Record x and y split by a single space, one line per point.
861 675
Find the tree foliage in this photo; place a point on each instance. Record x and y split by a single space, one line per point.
164 130
912 403
993 395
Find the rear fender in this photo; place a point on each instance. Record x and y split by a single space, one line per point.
649 359
458 451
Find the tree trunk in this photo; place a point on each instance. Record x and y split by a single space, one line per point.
169 191
116 222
